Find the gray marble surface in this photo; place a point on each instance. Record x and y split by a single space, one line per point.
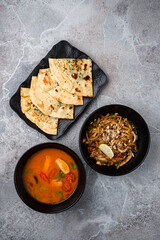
123 38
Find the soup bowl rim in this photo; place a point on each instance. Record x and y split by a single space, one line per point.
45 207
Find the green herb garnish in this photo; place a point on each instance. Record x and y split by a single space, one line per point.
74 166
36 109
27 171
61 195
60 175
37 196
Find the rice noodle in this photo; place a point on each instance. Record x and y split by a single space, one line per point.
117 133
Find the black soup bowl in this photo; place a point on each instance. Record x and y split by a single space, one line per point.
39 206
143 141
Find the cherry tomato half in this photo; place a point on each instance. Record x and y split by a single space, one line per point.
90 148
70 177
67 186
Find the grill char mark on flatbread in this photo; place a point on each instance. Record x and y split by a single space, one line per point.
73 75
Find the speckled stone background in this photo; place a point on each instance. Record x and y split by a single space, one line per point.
123 38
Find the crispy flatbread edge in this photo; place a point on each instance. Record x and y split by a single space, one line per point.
23 94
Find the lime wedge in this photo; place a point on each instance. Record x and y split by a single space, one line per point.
63 165
106 150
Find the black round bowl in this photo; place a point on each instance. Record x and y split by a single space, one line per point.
143 141
42 207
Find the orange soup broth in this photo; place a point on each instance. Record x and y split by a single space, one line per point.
45 181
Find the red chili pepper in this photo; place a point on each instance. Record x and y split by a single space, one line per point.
67 186
119 156
90 149
52 173
101 115
44 177
70 177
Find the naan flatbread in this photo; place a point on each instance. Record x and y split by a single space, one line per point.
73 75
47 104
45 123
49 84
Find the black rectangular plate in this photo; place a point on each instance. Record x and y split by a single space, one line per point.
63 49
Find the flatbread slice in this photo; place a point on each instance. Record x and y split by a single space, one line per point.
49 84
45 123
47 104
73 75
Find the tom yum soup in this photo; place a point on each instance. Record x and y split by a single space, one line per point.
50 176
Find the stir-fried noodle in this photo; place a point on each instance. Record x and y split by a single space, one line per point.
117 133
